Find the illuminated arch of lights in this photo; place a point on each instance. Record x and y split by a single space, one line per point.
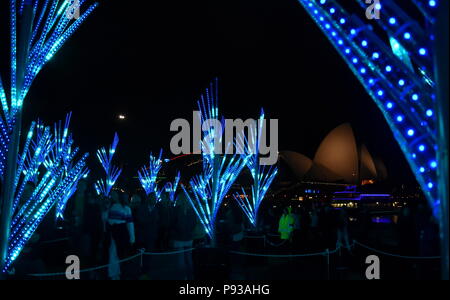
398 75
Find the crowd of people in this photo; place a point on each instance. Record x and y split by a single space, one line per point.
103 231
109 230
308 227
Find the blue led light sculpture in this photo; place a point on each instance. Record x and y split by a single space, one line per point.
104 186
263 176
148 176
171 188
219 171
38 29
399 75
53 166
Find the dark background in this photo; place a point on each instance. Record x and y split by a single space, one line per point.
150 60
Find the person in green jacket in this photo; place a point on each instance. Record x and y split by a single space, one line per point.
286 224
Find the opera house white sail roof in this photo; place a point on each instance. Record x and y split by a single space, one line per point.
338 159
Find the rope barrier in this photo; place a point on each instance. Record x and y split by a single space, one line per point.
119 262
395 255
276 245
266 240
337 250
255 237
169 253
87 270
324 253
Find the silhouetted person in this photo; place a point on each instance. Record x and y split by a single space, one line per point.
146 221
298 232
232 225
270 221
164 209
343 239
407 233
121 226
314 227
182 235
93 228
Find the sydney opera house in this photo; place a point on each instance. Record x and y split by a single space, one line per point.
342 172
339 159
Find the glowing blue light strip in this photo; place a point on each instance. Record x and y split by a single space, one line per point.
45 30
47 199
263 176
70 31
172 188
55 186
45 159
39 22
104 187
13 31
22 159
428 8
61 138
397 24
4 142
3 99
50 30
70 191
219 173
148 175
36 160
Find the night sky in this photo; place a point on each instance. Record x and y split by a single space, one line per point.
151 62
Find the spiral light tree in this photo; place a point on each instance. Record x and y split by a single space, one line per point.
106 157
38 29
262 175
219 171
406 74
